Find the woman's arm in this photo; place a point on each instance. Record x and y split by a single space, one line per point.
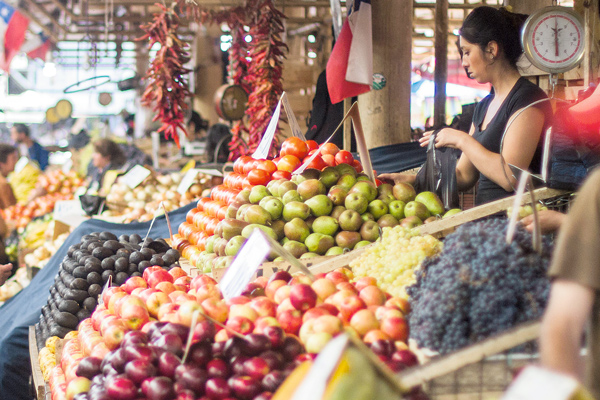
520 143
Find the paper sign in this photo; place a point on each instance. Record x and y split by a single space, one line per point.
63 208
162 204
187 181
66 167
315 382
292 118
537 383
242 269
104 289
262 151
188 344
135 176
277 248
212 172
190 164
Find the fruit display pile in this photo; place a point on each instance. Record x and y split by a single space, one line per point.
142 203
41 255
394 259
14 285
20 215
57 181
325 210
87 267
478 286
24 181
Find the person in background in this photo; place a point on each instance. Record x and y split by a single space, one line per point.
218 136
9 156
196 127
5 272
107 155
491 46
20 135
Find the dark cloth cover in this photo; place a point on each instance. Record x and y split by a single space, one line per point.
397 157
24 309
521 95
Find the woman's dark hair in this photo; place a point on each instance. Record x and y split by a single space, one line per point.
198 122
111 150
5 151
485 24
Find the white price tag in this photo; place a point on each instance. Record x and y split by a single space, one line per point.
187 181
63 208
262 151
135 176
66 167
211 172
315 382
292 118
538 383
245 264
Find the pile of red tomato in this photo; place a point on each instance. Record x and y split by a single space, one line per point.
202 221
20 215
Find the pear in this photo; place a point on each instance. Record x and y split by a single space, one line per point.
432 202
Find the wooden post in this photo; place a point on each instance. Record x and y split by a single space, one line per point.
590 55
440 75
385 113
347 125
527 7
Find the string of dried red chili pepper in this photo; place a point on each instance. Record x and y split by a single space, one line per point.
167 87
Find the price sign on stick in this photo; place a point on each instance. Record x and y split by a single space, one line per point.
162 204
104 289
537 383
291 117
525 179
315 382
262 151
242 269
135 176
187 181
277 248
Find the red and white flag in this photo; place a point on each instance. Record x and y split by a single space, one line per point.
37 46
350 65
13 26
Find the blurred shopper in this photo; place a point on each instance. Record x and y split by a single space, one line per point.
9 156
107 155
217 143
20 135
5 272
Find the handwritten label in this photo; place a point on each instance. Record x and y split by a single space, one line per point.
537 383
262 151
292 117
63 208
314 384
135 176
242 269
187 181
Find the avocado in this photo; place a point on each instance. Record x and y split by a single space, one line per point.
157 246
123 253
108 263
79 283
143 265
57 330
102 252
83 314
70 266
157 260
136 273
79 273
107 236
93 278
135 238
94 245
136 257
76 254
75 294
90 303
106 274
72 249
93 268
70 306
132 268
124 238
121 277
147 253
94 290
174 253
88 237
122 264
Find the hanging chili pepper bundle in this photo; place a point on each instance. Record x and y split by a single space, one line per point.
167 88
266 52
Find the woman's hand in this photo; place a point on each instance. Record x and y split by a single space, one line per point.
397 177
550 221
446 137
5 271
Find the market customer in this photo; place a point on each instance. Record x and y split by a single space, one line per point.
107 155
491 46
5 272
575 291
8 159
20 135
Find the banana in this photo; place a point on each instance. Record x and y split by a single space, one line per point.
353 379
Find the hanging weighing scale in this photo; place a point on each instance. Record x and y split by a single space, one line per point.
553 40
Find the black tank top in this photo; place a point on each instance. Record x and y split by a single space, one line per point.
522 94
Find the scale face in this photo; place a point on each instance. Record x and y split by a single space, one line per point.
553 39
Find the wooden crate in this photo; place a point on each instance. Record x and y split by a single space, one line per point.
41 388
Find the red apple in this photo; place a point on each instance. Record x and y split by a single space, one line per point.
138 291
346 286
282 293
303 297
382 312
243 310
365 281
133 283
285 305
107 294
375 335
113 334
186 312
262 322
183 281
290 321
256 368
262 281
372 296
76 386
160 275
272 288
165 286
155 300
395 327
336 277
201 280
240 324
405 357
150 270
331 309
264 306
324 288
144 294
300 278
135 316
98 317
223 335
328 323
216 309
177 272
400 303
350 305
208 291
337 298
364 321
238 300
113 299
314 313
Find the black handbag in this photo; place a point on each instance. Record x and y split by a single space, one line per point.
438 173
91 204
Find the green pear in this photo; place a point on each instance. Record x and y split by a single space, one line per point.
417 209
319 205
319 243
296 229
326 225
432 202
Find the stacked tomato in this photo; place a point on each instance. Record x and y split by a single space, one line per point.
202 221
20 215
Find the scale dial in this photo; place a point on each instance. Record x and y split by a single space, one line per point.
553 39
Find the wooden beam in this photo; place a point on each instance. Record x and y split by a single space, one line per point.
43 27
43 10
440 74
454 6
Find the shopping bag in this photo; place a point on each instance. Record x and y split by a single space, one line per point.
91 204
438 174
